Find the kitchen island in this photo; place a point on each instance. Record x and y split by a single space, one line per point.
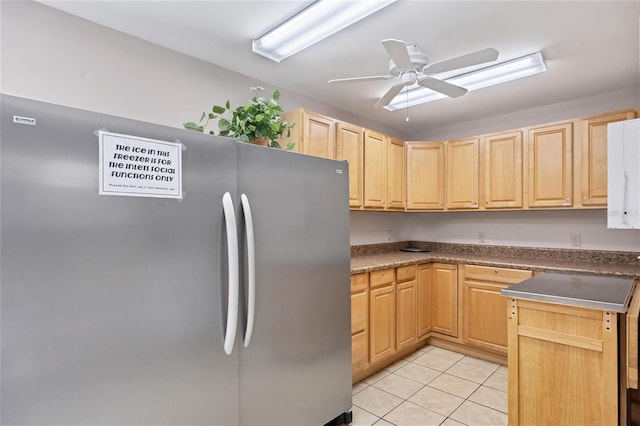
567 361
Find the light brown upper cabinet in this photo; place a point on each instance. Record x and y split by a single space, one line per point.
462 173
375 170
593 164
503 170
550 172
396 175
350 147
425 176
318 137
313 134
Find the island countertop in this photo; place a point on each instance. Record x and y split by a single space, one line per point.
588 291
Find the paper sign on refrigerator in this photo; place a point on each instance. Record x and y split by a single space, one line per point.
139 167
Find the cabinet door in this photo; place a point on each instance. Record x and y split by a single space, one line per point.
503 170
594 157
406 317
550 171
484 323
349 147
375 170
462 173
395 174
359 352
382 327
359 322
425 277
563 365
425 176
318 136
444 299
406 299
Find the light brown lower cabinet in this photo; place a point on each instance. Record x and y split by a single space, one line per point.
382 311
359 322
406 300
444 299
563 364
424 299
484 323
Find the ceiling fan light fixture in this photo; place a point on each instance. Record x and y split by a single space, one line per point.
484 77
317 22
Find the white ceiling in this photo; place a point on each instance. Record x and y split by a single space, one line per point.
590 47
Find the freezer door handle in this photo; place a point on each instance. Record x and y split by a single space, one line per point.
251 268
232 253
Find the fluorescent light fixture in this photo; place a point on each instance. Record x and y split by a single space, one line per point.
478 79
315 23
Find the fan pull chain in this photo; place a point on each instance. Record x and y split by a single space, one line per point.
407 91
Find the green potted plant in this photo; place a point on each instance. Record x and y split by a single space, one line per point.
258 121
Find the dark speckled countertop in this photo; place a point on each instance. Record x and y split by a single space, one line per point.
381 256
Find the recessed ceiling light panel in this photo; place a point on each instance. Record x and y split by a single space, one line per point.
317 22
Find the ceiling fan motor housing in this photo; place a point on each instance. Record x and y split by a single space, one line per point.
418 59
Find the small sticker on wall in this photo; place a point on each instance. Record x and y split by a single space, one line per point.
139 167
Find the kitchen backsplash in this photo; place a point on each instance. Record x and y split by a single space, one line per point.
596 256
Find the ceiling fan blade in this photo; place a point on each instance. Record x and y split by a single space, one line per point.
358 79
441 86
481 56
398 52
391 93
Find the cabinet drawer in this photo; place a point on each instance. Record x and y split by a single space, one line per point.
381 278
497 275
359 282
406 273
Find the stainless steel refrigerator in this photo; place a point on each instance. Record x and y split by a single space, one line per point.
115 309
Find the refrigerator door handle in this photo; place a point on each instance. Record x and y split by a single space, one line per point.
232 253
251 268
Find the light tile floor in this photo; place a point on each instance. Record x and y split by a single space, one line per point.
433 386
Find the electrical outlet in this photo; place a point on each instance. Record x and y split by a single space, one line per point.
576 239
481 237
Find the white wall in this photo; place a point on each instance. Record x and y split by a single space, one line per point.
55 57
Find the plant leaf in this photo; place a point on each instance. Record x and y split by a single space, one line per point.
224 125
276 95
243 138
193 126
290 146
217 109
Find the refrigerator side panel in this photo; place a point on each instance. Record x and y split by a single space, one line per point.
297 367
112 309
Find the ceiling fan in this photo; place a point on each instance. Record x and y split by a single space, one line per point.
409 65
